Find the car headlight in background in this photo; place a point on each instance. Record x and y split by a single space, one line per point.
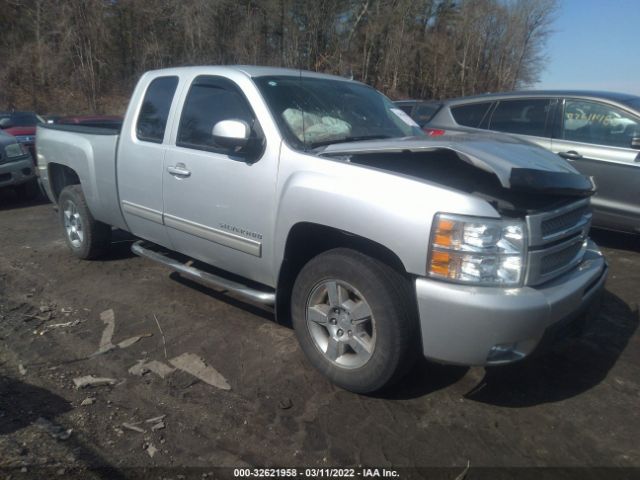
481 251
15 150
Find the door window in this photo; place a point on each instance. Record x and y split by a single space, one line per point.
470 115
209 101
597 123
524 117
152 119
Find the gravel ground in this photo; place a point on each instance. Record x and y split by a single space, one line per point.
575 406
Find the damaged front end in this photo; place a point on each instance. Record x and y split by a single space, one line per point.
515 177
522 182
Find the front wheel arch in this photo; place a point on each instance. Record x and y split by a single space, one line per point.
307 240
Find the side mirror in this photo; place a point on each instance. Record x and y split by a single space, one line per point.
231 133
635 143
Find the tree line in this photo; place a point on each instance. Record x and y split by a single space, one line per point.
84 56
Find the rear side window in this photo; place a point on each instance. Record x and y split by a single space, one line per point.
210 100
152 120
406 108
470 115
425 112
524 117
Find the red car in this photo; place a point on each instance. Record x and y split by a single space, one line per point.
21 125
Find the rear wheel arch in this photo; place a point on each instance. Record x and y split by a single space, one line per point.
61 176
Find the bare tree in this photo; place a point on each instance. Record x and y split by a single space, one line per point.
85 55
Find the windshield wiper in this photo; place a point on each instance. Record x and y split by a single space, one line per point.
324 143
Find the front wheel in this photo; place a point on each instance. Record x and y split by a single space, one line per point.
355 319
86 237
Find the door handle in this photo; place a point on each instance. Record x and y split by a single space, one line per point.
570 155
180 170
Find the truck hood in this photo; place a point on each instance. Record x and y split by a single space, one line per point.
518 165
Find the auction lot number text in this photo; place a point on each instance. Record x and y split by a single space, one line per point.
315 473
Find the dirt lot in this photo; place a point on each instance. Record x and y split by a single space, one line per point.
578 405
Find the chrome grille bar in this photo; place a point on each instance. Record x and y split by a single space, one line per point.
540 225
557 241
548 263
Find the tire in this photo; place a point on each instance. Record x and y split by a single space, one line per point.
356 320
86 237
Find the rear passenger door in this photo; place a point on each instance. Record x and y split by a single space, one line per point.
140 160
596 138
528 118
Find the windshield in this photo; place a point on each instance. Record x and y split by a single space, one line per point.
312 112
634 102
8 120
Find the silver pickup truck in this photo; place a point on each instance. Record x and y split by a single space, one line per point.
315 195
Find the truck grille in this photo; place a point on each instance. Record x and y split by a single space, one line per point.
557 241
562 222
557 260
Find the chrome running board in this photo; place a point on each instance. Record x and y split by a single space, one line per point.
206 278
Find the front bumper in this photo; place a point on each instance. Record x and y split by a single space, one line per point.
470 325
17 172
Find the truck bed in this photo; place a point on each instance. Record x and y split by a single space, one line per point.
91 153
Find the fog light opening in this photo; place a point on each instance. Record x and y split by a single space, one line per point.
505 353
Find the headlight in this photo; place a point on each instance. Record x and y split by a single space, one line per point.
15 150
479 251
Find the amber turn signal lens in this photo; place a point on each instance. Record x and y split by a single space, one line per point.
440 263
444 232
477 250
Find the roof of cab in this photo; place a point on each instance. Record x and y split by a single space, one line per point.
249 70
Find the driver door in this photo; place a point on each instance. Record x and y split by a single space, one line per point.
219 204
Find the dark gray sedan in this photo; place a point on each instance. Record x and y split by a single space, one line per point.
598 132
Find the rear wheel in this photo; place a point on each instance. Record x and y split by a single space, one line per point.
86 237
355 320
